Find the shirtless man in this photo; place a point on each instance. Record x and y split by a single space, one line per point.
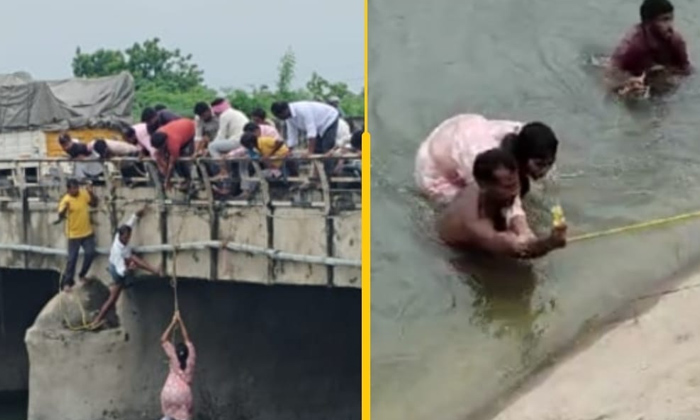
481 217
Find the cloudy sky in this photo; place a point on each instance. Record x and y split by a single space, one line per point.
235 42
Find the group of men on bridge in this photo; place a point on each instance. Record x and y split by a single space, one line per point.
222 133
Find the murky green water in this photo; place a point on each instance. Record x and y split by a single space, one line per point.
451 336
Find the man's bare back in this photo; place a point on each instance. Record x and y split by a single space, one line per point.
455 224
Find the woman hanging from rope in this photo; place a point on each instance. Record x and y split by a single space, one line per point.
176 397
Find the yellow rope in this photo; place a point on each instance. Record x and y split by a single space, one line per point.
86 326
174 282
637 226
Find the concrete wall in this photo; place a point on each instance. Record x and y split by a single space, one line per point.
263 353
295 230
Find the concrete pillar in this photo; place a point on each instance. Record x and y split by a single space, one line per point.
263 352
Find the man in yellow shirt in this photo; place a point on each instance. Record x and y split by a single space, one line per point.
266 147
75 209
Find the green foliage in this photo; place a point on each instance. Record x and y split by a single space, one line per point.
180 102
149 63
171 78
286 76
318 88
352 103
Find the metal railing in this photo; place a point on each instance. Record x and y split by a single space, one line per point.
313 185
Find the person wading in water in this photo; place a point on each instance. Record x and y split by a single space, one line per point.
445 160
480 218
652 55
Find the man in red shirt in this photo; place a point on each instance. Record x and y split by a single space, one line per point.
172 141
651 54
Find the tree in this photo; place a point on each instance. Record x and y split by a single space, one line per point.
172 78
317 88
286 75
322 90
98 64
149 63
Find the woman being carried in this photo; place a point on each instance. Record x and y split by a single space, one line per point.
445 160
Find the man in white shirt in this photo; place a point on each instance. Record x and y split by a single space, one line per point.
344 133
319 120
231 123
122 262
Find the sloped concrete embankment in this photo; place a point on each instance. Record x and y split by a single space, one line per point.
263 353
645 368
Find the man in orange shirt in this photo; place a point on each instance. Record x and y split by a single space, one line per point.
172 141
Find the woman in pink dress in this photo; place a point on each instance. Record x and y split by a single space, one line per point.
445 159
176 397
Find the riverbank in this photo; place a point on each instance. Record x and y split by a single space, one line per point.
644 368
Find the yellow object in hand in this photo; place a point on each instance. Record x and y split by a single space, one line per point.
558 216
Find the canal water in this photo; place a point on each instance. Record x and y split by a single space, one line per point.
451 337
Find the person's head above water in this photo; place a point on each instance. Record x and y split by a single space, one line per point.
535 150
496 173
657 15
182 353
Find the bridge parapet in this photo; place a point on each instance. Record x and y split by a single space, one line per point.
285 234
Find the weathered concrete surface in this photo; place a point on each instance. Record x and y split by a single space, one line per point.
263 353
20 302
305 231
645 368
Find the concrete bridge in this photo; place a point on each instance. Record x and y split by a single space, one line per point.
265 352
276 239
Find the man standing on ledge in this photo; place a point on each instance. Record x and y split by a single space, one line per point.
75 209
482 216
